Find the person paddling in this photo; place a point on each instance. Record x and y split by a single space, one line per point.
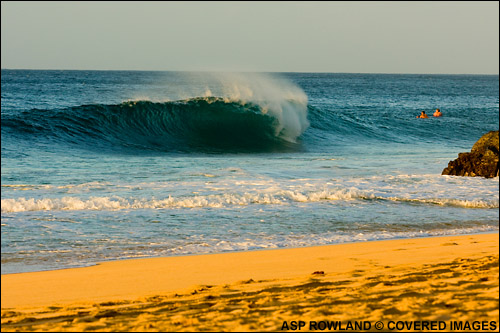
437 113
423 115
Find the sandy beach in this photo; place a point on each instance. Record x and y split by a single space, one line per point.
437 279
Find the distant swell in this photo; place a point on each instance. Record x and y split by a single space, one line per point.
196 123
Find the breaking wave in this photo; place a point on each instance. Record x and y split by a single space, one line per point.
196 123
280 197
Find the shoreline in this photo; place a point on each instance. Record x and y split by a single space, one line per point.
252 250
338 270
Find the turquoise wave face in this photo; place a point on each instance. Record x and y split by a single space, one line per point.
209 123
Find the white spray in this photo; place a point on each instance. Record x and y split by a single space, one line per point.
277 97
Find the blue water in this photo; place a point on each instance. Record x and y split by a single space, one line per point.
106 165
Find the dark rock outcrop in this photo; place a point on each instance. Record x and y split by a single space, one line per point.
482 161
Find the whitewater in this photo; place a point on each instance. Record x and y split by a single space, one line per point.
107 165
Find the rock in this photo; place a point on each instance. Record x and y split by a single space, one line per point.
482 161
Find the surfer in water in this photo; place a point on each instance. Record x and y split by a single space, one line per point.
437 113
423 115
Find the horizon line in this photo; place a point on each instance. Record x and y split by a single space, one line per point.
243 71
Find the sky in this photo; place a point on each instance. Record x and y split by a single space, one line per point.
340 37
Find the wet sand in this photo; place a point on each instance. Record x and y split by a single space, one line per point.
443 279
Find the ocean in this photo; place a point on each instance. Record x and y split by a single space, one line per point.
107 165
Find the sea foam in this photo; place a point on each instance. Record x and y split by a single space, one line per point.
277 197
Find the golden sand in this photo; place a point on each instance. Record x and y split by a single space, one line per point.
437 279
